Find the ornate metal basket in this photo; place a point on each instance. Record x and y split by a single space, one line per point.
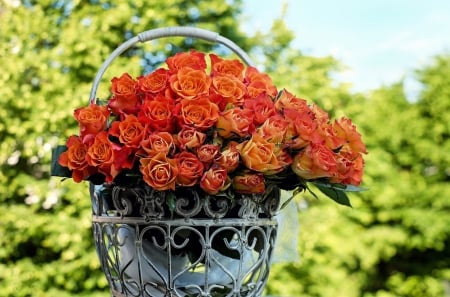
200 246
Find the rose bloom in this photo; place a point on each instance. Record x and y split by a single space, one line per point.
233 67
346 130
350 169
214 180
235 122
259 155
286 100
273 129
100 154
199 113
154 82
157 114
159 172
262 107
189 138
207 153
75 159
158 142
129 131
258 82
192 59
230 88
301 129
189 83
190 169
92 119
125 98
229 157
249 183
315 161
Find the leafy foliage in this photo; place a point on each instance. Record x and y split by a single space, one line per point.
395 241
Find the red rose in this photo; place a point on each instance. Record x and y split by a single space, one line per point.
125 98
249 183
207 153
190 169
346 130
75 159
258 83
214 180
192 59
100 154
262 107
157 114
349 169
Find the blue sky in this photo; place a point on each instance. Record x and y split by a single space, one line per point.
380 41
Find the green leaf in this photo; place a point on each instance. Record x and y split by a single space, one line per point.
56 169
335 193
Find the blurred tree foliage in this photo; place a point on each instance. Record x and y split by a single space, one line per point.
394 242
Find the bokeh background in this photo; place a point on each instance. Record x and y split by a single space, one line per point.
395 241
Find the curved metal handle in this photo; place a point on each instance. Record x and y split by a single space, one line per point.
166 32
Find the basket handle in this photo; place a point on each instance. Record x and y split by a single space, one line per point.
166 32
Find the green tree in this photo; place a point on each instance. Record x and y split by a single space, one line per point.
49 52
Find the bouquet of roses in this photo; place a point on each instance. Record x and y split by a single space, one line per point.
220 126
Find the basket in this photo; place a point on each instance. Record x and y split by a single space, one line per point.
201 247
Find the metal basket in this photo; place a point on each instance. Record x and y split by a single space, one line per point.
201 246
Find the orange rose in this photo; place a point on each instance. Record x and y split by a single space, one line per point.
234 67
214 180
158 142
157 114
350 169
229 157
193 59
129 131
75 159
189 138
91 119
262 107
346 130
274 129
125 98
190 83
199 113
230 88
154 82
249 183
302 128
235 122
258 82
100 154
190 169
159 172
286 100
208 153
259 155
315 161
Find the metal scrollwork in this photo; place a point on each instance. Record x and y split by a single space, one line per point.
205 246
